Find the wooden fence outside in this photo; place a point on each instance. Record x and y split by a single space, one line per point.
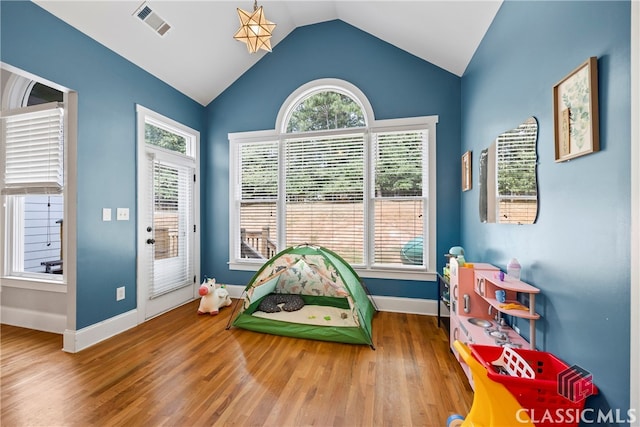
394 227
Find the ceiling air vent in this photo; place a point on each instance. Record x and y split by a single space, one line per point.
148 16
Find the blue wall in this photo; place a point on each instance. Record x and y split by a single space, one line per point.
109 87
396 83
578 251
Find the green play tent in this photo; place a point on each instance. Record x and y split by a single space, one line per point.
337 306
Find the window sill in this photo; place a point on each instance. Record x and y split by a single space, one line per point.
34 284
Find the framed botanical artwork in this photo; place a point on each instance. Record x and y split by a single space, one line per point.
575 112
466 171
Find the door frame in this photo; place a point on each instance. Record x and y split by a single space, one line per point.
141 259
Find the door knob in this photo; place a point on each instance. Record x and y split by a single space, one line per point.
151 241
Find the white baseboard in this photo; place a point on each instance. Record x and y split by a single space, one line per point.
75 341
426 307
31 319
235 291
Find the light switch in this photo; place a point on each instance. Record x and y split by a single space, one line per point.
106 214
122 214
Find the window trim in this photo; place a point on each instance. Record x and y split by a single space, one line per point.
64 283
278 134
191 139
317 86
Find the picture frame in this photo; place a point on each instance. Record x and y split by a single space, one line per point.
466 171
575 112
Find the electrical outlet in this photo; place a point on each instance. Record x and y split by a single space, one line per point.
122 214
120 293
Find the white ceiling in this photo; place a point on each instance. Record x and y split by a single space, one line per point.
199 57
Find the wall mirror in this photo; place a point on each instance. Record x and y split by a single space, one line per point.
508 183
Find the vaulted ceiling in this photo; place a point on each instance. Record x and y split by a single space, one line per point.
199 57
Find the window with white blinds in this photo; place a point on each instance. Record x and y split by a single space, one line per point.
172 188
361 190
399 202
325 192
258 200
33 149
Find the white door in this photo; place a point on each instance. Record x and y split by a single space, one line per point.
168 248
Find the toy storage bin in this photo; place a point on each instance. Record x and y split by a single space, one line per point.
538 394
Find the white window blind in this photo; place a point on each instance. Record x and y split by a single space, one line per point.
399 203
325 192
32 149
258 200
172 188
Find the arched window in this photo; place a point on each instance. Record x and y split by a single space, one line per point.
325 110
331 175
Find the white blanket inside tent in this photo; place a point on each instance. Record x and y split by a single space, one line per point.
313 315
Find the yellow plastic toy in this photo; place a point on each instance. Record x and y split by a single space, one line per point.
493 405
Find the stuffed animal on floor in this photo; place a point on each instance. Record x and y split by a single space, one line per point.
213 297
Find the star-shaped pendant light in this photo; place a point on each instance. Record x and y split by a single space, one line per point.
254 29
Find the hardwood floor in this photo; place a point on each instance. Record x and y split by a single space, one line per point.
181 369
